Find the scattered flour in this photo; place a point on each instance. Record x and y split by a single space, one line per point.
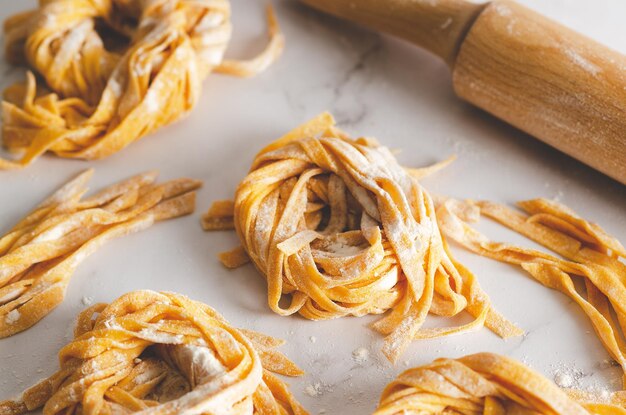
343 249
151 100
110 323
312 339
115 87
605 395
87 300
583 63
142 378
54 233
314 389
564 380
571 378
567 377
361 355
12 317
503 10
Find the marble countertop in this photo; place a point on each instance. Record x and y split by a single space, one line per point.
375 86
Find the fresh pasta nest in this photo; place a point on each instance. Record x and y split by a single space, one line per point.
339 228
40 254
162 353
113 71
484 384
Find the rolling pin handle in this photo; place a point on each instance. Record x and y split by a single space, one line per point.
439 26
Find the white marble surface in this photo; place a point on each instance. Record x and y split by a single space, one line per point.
375 86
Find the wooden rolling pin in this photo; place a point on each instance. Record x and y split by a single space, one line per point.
557 85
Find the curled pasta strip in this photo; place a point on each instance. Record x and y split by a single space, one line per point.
114 71
39 255
485 384
585 250
162 353
339 228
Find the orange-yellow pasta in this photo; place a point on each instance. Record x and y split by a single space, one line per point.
113 71
39 255
485 384
339 228
585 250
162 353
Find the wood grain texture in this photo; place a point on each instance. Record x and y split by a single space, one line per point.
555 84
436 25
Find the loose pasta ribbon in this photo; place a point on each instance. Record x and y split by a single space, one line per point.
485 384
585 250
40 254
114 71
162 353
339 228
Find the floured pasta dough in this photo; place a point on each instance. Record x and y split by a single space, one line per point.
485 384
339 228
162 353
585 250
114 71
39 255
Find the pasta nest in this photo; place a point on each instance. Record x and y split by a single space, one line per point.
486 383
115 70
339 228
162 353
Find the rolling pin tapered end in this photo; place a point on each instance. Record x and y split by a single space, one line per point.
437 26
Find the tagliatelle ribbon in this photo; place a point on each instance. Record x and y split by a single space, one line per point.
339 228
39 255
162 353
585 250
485 384
116 71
